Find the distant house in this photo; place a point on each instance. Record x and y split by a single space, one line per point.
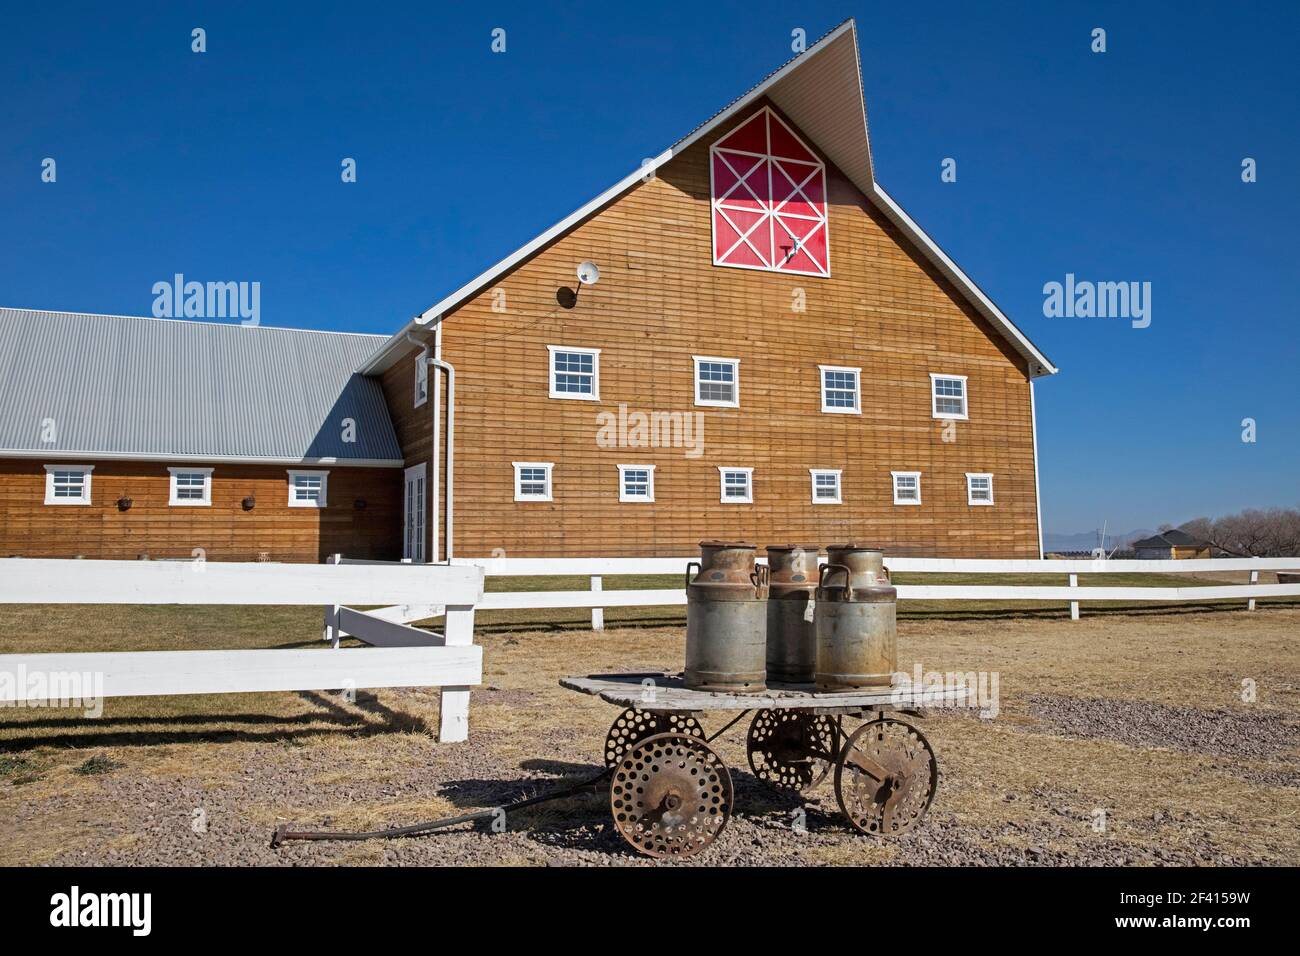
1171 545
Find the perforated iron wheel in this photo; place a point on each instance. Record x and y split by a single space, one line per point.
670 796
792 749
886 777
633 726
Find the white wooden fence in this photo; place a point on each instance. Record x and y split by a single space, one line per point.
597 598
399 656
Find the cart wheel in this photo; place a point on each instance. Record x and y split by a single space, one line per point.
792 749
670 796
632 726
885 777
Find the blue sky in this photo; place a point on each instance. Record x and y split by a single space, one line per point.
1122 166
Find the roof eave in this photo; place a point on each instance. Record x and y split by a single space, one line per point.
1037 363
73 455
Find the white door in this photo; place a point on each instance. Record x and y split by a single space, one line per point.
413 515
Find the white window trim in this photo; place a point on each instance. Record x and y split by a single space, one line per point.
204 502
622 486
547 467
324 488
895 475
722 485
965 398
595 372
85 484
421 378
735 384
857 391
839 485
970 500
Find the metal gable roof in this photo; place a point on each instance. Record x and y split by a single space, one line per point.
821 91
106 386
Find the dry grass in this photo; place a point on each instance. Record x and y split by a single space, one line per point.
1154 795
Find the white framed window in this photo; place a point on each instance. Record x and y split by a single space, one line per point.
825 486
533 480
67 484
308 489
575 373
191 486
948 396
979 488
737 485
421 378
907 487
636 482
717 381
840 389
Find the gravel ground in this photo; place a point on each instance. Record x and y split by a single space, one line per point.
158 830
1251 734
147 820
1180 785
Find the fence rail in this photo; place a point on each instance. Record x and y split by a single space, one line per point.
398 656
597 597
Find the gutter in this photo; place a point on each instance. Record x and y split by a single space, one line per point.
74 455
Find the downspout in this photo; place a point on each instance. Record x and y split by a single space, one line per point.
1038 499
449 501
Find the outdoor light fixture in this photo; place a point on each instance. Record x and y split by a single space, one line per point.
248 503
124 503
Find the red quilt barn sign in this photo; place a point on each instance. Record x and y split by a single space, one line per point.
769 200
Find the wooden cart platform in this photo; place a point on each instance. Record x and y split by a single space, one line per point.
667 693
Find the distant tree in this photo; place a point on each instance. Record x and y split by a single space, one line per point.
1253 533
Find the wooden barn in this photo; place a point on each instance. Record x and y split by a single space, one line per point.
762 345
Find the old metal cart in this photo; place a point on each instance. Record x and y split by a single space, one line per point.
671 794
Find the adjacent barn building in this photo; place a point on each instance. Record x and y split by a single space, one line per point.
763 345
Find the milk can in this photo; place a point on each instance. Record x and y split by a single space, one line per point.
726 619
855 620
791 633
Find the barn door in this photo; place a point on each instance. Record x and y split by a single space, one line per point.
413 515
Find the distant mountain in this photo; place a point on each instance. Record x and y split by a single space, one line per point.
1087 540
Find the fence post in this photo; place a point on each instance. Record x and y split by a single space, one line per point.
453 718
332 624
1254 579
332 611
1074 605
597 613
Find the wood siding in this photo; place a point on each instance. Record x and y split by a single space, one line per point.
225 531
659 301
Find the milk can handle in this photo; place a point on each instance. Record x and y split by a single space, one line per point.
761 577
689 565
831 569
888 577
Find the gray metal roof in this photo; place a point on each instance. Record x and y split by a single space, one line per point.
125 386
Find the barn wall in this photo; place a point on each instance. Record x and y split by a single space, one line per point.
659 301
30 528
